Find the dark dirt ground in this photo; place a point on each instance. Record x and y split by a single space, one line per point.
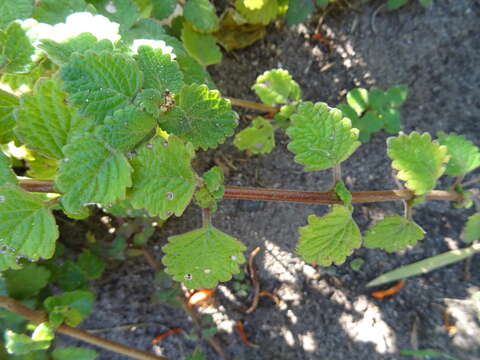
328 313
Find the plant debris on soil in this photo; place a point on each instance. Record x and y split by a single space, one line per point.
328 313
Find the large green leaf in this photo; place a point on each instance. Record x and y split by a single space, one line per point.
200 116
254 15
419 161
72 307
258 138
126 128
202 15
100 83
201 47
11 10
320 137
464 156
6 173
276 87
8 102
15 49
27 226
163 179
471 232
160 71
330 238
393 233
45 123
91 172
298 10
194 73
56 11
203 257
26 282
74 353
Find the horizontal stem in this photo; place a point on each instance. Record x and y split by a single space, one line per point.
253 105
310 197
37 317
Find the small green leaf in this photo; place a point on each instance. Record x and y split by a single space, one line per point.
395 4
263 15
56 11
464 156
203 257
27 226
100 83
163 179
298 10
92 265
212 189
397 95
330 238
343 193
12 10
377 99
358 100
43 332
8 103
201 47
69 276
320 138
202 15
126 128
73 353
258 138
151 101
26 282
371 122
393 233
391 120
20 344
425 266
91 172
6 173
471 232
75 306
200 116
15 48
160 71
163 8
276 87
419 161
356 264
45 123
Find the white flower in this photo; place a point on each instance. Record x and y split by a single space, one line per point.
155 44
78 23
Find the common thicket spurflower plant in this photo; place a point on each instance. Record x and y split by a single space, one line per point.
112 115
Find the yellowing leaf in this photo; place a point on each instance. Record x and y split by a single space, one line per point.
276 86
201 47
464 156
258 138
471 231
202 15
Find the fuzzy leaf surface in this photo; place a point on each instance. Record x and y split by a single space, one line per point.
194 73
464 156
91 172
100 83
419 161
27 226
15 49
276 87
13 10
6 173
202 47
471 232
258 138
329 239
163 179
8 102
45 123
160 71
263 15
202 15
126 128
320 137
200 116
203 257
393 233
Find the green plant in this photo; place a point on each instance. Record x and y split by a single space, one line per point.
114 116
395 4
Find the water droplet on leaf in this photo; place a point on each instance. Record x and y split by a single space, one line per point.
207 271
66 160
233 257
188 276
2 198
169 195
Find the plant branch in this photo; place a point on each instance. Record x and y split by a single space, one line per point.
470 182
337 174
206 217
310 197
37 317
253 105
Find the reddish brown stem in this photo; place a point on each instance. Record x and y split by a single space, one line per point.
253 105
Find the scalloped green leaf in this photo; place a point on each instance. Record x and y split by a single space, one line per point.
45 123
151 101
194 73
419 161
8 103
56 11
212 189
203 257
74 353
26 282
100 83
329 239
71 307
263 15
126 128
258 138
160 71
343 193
464 156
6 173
357 99
202 15
202 47
21 344
27 226
163 179
471 232
91 172
276 86
200 116
393 233
397 95
320 137
61 52
15 49
12 10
